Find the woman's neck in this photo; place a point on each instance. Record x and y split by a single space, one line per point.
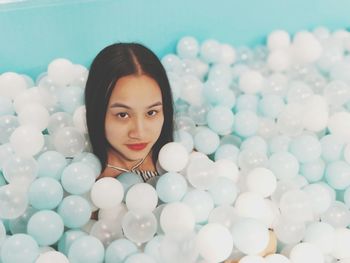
116 159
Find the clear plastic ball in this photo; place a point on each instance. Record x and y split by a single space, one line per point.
69 141
139 227
149 199
187 47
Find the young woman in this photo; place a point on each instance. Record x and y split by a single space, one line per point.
129 109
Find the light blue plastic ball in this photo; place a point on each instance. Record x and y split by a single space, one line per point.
185 138
6 106
68 238
8 123
246 123
19 224
201 203
90 159
284 165
227 151
51 164
220 119
78 178
86 249
171 187
46 227
75 211
128 179
45 193
19 248
140 257
152 248
255 142
271 105
313 171
347 197
70 98
306 148
2 233
338 175
2 179
247 102
221 72
332 147
206 141
279 143
119 250
224 191
6 223
228 99
214 90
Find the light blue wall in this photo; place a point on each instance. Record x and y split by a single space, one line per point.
37 31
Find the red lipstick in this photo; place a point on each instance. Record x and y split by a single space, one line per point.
137 146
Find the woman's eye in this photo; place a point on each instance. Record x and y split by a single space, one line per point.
122 115
152 112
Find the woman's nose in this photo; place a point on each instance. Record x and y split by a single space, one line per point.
137 129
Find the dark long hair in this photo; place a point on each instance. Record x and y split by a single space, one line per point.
112 63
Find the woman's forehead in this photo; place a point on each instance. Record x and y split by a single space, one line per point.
136 91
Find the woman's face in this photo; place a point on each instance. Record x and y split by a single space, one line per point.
134 117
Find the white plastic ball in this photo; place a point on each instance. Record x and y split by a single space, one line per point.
173 157
52 257
250 236
177 219
279 60
214 242
261 180
339 125
27 140
278 39
306 253
306 47
61 71
227 54
251 82
12 85
210 50
79 119
34 114
322 235
252 259
141 197
107 192
276 258
227 168
341 245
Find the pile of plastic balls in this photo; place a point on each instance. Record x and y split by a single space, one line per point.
261 152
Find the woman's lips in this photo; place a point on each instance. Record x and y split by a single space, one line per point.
137 146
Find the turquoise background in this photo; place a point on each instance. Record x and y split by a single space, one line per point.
35 32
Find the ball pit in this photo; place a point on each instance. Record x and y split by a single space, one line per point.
261 155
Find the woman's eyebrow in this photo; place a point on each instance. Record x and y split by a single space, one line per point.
121 105
155 104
